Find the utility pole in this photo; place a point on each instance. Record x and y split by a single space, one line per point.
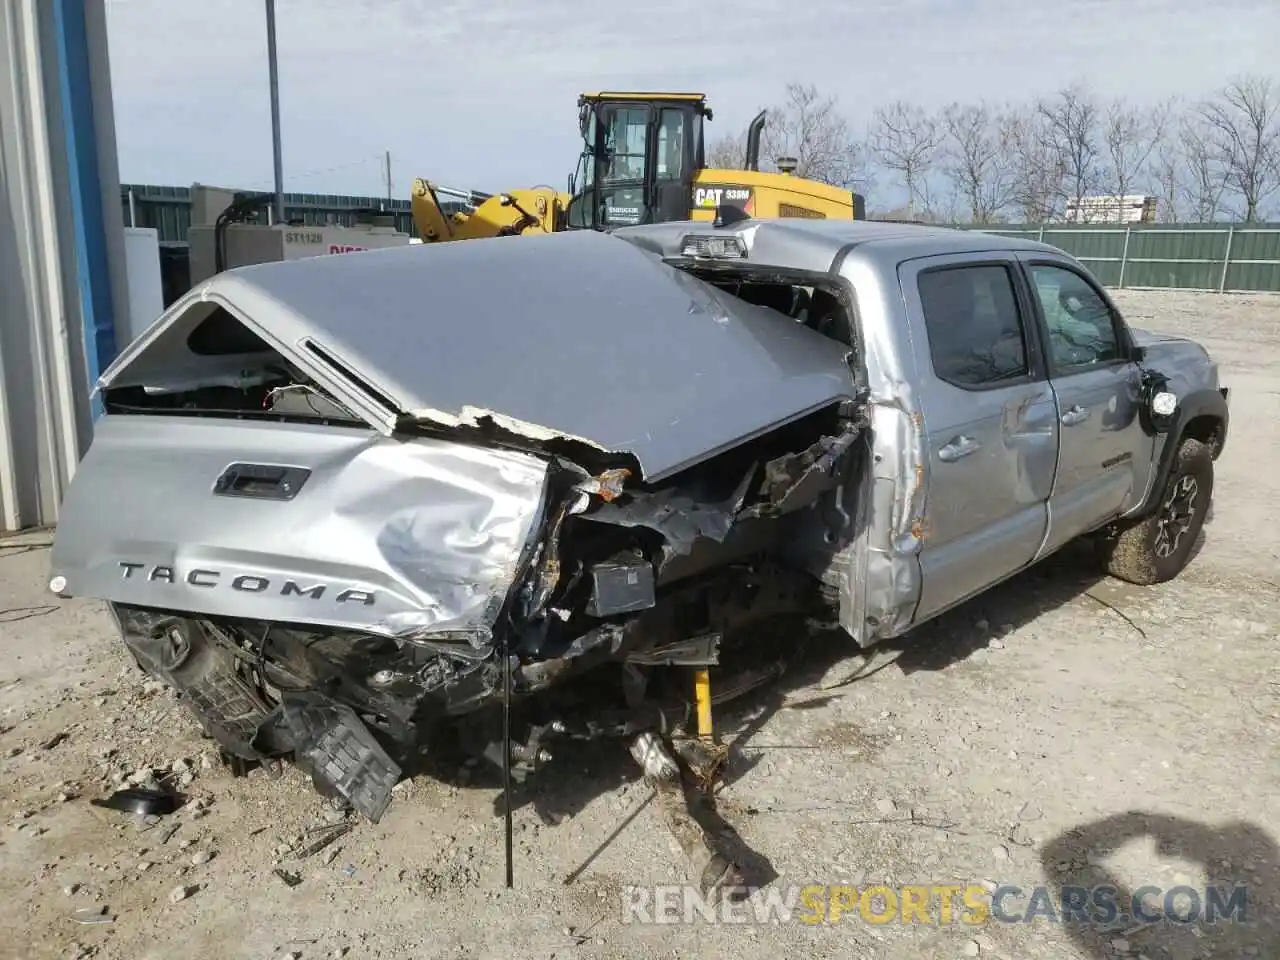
388 179
275 111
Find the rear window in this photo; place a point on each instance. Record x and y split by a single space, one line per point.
206 362
807 298
974 325
220 334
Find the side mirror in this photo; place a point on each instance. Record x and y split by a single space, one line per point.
1137 352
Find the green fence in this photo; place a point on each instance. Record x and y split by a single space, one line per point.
1232 258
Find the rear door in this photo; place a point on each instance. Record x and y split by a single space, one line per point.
989 420
1104 453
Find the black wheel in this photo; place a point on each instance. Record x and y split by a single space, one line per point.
1157 549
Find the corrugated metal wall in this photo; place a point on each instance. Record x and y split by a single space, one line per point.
1191 256
168 209
59 277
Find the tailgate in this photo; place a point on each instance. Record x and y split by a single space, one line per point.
309 524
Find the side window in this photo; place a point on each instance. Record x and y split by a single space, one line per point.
670 145
627 139
975 328
1081 329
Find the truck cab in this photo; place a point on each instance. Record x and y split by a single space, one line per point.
1011 408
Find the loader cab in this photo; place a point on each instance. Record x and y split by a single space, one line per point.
640 155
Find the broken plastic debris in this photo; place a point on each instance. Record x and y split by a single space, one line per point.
648 751
328 834
332 744
140 800
607 486
92 915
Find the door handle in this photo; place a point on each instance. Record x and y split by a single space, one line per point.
260 481
1075 415
957 448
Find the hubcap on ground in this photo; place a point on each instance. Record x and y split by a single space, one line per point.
1175 516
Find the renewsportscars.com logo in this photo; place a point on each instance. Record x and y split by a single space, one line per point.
937 904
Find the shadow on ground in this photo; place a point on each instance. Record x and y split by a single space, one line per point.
1234 916
956 635
1061 578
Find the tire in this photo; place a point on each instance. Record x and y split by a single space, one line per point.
1157 548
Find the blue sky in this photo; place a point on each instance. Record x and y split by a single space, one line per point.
482 94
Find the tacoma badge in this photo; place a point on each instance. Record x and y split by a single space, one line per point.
245 583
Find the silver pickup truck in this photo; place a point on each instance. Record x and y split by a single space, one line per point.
587 484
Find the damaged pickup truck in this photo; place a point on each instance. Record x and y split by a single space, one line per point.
343 504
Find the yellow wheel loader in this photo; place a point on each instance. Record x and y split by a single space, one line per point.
643 161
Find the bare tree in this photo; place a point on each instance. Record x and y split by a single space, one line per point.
810 128
806 127
1130 135
1071 120
1036 160
1166 171
943 207
1243 124
729 152
976 159
905 139
1205 179
1038 166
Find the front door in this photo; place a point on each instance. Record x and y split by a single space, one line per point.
1105 456
990 423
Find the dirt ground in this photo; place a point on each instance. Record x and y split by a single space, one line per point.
1064 729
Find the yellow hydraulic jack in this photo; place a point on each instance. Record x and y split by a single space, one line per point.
702 701
705 756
